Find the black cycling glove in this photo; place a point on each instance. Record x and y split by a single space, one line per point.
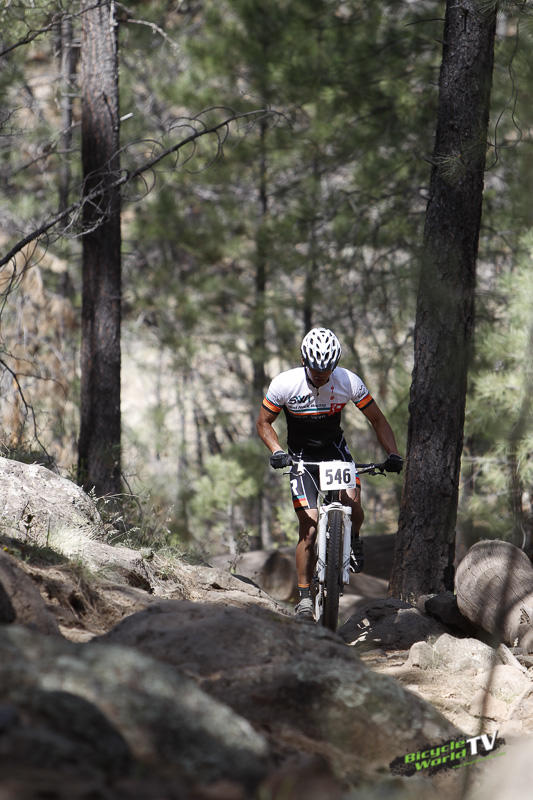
394 463
280 459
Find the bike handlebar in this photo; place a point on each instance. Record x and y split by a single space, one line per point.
362 469
371 469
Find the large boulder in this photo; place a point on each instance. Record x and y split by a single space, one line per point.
390 623
103 711
297 682
494 586
454 655
43 510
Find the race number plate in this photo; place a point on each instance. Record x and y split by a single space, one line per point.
337 475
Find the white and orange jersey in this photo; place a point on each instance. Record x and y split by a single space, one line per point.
314 413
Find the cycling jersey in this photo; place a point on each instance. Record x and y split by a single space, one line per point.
314 413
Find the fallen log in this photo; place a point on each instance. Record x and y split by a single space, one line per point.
494 587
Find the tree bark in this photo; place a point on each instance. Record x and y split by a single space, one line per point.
261 269
259 322
445 307
68 67
99 442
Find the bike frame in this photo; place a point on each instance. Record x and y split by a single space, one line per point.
329 506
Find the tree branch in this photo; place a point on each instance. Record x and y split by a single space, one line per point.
27 406
220 129
34 33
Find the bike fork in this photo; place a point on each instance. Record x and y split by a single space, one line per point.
346 543
319 578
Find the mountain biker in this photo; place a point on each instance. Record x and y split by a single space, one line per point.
312 397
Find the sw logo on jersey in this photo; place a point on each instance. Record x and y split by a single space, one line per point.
300 399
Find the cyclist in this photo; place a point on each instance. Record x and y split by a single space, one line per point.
312 397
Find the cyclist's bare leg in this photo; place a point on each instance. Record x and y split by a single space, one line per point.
352 498
305 555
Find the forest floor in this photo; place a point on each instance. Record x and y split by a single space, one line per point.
478 689
451 693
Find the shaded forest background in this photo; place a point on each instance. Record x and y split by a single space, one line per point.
307 209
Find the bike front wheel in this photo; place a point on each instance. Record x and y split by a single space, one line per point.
332 586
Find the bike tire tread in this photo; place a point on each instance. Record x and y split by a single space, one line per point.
333 571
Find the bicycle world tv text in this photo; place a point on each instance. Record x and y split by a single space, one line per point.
451 754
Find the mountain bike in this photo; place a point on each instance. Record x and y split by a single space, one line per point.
333 539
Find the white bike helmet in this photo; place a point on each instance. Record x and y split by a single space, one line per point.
320 349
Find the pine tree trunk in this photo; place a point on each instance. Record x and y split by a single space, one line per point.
99 442
259 350
68 66
445 309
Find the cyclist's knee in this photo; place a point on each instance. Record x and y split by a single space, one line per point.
307 534
358 514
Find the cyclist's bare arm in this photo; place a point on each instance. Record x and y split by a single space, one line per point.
382 428
265 430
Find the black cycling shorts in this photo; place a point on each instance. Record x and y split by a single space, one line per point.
304 488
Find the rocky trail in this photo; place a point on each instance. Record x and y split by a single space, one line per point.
129 674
